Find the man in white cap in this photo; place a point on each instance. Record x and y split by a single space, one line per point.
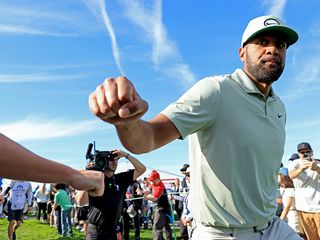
236 129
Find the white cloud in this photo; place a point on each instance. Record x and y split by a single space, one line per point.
183 72
276 7
34 128
54 67
98 8
44 19
150 22
307 72
39 77
308 123
57 19
148 18
26 30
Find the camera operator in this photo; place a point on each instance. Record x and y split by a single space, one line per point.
105 211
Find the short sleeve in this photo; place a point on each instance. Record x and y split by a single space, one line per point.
197 108
290 192
293 165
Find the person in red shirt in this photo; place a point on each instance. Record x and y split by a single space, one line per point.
162 212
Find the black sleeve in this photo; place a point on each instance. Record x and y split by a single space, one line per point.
126 178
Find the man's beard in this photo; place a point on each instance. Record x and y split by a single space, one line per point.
262 73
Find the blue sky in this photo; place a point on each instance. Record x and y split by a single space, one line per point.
54 53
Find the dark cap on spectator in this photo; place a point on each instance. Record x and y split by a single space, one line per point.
303 145
187 171
184 167
294 157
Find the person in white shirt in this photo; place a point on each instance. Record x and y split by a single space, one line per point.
20 196
289 213
305 173
186 216
42 197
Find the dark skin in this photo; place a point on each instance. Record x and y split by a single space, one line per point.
264 60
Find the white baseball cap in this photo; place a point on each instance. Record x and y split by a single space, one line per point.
268 23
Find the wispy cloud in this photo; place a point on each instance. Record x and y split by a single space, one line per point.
98 8
148 17
26 30
48 19
183 71
302 125
276 7
43 19
50 67
35 128
149 20
306 71
306 79
309 73
39 77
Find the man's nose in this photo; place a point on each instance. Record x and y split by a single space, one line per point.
272 49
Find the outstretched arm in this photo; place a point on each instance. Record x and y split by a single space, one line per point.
117 102
19 163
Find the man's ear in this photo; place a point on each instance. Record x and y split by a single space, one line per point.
242 54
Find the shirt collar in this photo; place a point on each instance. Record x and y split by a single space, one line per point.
247 84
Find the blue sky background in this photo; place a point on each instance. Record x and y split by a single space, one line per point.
54 53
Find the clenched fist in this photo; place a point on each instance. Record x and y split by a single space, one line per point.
116 101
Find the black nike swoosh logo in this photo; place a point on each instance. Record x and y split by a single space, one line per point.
280 115
271 21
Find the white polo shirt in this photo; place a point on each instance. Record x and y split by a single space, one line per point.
236 145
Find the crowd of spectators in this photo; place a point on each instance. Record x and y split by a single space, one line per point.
151 204
52 204
57 206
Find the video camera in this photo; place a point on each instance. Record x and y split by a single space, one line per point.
99 160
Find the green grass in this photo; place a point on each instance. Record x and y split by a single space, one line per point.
32 229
